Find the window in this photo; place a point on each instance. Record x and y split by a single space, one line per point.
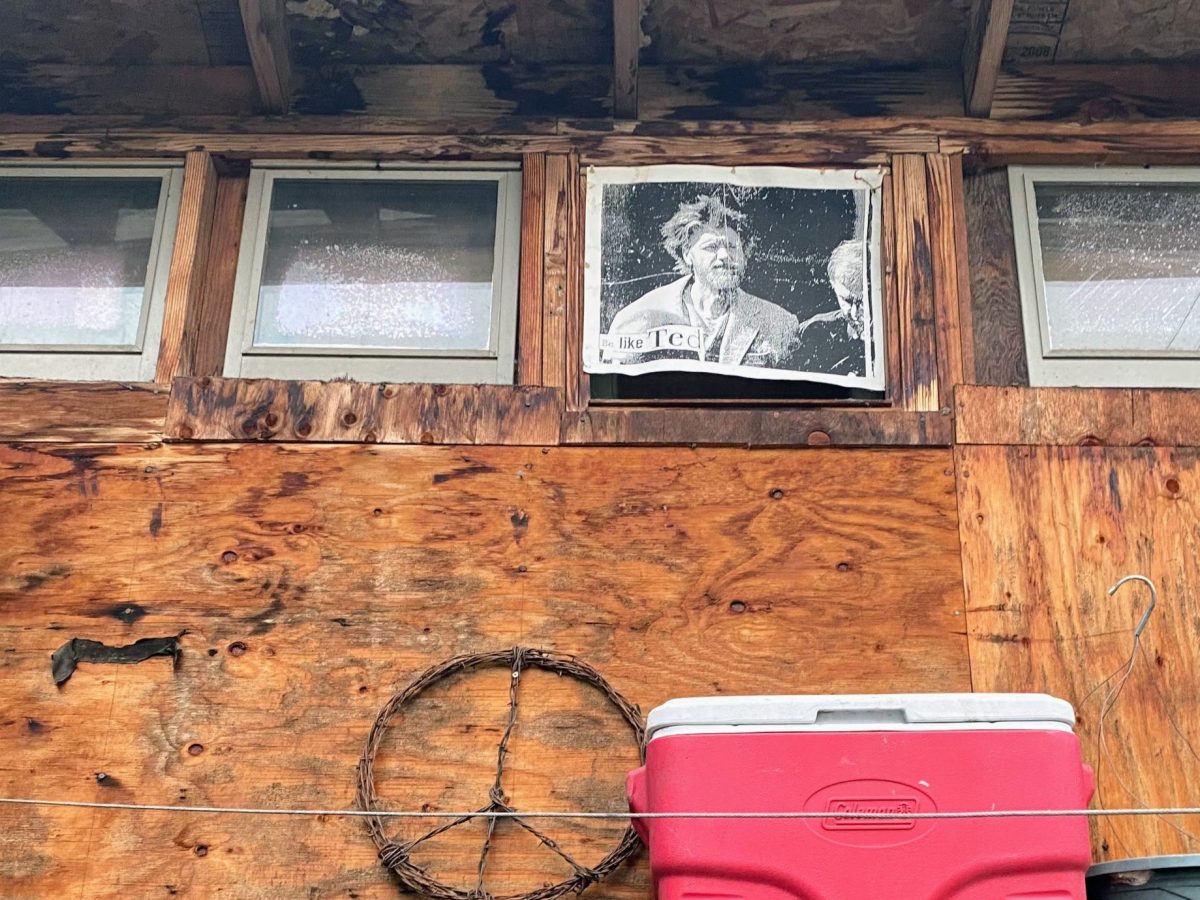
84 255
1109 269
378 274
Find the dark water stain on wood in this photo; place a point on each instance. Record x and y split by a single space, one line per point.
156 517
520 524
125 612
264 621
463 471
33 580
526 87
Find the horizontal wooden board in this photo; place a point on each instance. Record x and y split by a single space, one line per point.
236 409
1046 531
766 427
600 140
986 414
313 581
81 411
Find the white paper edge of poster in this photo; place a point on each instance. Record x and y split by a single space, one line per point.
745 176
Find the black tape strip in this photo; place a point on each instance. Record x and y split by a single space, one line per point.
64 660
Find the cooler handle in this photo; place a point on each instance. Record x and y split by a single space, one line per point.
635 791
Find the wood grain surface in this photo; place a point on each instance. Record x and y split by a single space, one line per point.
1046 531
312 582
188 262
915 284
64 411
998 333
243 409
989 414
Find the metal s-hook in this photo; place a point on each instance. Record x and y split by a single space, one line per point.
1141 625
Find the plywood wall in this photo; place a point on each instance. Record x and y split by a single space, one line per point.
314 581
1046 530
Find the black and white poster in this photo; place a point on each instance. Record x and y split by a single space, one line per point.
759 272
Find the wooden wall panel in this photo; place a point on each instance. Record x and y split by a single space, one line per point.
1046 531
314 581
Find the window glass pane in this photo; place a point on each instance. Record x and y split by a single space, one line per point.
1121 264
378 264
74 253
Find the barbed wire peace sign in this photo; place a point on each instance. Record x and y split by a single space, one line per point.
396 855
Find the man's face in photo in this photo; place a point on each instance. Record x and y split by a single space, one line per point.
716 258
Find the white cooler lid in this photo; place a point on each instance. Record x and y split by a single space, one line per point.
860 712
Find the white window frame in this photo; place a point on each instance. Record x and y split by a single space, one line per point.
107 362
491 366
1085 368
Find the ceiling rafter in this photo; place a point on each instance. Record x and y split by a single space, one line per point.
983 52
265 22
627 44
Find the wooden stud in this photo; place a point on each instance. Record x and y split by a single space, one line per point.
983 52
914 284
578 384
944 244
891 303
966 320
627 46
265 23
188 261
554 290
529 301
207 329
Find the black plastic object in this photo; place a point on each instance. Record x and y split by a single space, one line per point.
1151 878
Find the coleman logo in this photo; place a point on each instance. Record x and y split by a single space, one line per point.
848 813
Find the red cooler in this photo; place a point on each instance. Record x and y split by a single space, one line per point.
848 755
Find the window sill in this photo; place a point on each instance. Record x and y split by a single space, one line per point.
758 427
239 409
86 412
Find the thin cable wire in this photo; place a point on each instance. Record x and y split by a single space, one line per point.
556 814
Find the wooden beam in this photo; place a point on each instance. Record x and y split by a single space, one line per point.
627 45
768 427
1114 417
242 409
265 22
188 262
207 325
96 412
983 52
605 142
919 388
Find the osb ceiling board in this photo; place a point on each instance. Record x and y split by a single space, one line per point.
382 32
1104 31
119 32
861 31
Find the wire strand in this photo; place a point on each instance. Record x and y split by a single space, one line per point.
562 814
